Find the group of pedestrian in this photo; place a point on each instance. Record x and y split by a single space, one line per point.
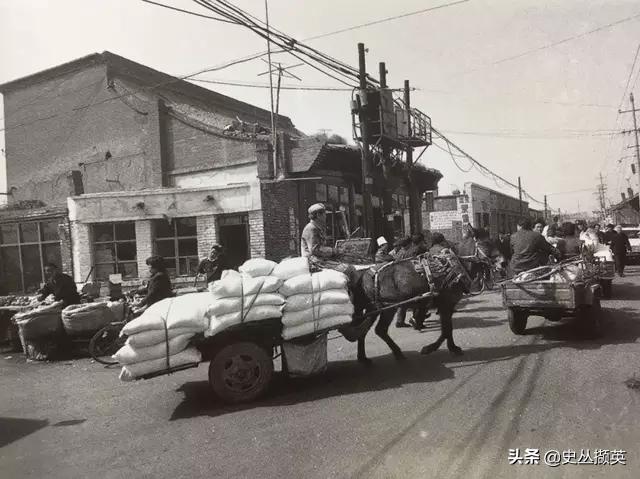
535 242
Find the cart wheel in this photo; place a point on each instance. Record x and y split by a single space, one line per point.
517 320
240 372
591 316
105 343
606 288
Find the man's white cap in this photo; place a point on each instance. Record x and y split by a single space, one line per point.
315 208
382 240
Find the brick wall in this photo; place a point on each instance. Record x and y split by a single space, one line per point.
277 201
144 245
189 147
257 234
58 132
82 253
207 234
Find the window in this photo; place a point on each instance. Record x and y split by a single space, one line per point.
24 250
177 243
114 250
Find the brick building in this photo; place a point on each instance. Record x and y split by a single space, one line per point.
109 161
477 206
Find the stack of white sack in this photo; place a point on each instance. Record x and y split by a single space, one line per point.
243 297
315 302
158 339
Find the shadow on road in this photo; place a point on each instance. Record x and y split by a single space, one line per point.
623 291
14 428
341 379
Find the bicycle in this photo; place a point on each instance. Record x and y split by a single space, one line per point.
107 340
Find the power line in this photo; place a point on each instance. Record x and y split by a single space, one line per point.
386 19
187 12
550 45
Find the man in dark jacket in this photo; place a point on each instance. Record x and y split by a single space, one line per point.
60 285
383 254
159 286
530 249
609 234
212 266
620 246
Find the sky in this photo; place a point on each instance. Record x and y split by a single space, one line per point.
495 76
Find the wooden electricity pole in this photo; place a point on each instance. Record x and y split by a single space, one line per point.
635 131
387 206
415 217
367 180
520 195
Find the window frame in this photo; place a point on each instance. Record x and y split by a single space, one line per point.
176 249
19 244
115 242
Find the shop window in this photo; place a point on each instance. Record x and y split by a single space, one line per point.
114 250
24 250
177 243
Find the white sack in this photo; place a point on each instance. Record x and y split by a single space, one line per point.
128 355
132 371
300 302
186 311
290 268
309 328
144 339
223 306
257 267
234 285
322 281
259 313
319 312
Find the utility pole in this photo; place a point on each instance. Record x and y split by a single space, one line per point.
545 208
367 180
520 195
602 189
635 131
387 206
415 217
274 135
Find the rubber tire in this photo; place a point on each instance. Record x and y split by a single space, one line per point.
517 320
591 319
96 348
258 354
606 288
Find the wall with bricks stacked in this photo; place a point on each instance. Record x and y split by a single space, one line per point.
277 198
42 153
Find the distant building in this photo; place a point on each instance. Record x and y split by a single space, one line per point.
476 205
625 212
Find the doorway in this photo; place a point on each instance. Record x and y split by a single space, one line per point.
233 236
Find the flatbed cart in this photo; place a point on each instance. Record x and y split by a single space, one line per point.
553 300
240 359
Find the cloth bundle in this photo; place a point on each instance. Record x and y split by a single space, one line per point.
315 302
243 297
79 319
158 339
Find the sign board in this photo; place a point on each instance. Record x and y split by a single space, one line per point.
359 247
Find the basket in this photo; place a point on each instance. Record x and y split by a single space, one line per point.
39 323
306 357
85 319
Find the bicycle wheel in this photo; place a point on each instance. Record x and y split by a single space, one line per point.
105 343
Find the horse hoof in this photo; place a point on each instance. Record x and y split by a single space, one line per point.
428 349
365 361
456 351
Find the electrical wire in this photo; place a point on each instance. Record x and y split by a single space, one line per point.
633 66
549 45
187 11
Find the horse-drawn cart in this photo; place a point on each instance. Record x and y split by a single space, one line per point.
554 296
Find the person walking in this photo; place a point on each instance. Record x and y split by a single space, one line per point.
620 246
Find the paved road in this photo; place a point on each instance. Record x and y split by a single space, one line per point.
432 416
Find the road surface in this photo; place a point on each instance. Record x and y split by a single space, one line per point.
429 417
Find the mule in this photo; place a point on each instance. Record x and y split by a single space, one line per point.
381 286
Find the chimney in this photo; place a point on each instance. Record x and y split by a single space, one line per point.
623 196
630 193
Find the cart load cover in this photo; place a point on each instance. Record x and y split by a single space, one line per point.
40 322
314 303
88 317
186 311
188 356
